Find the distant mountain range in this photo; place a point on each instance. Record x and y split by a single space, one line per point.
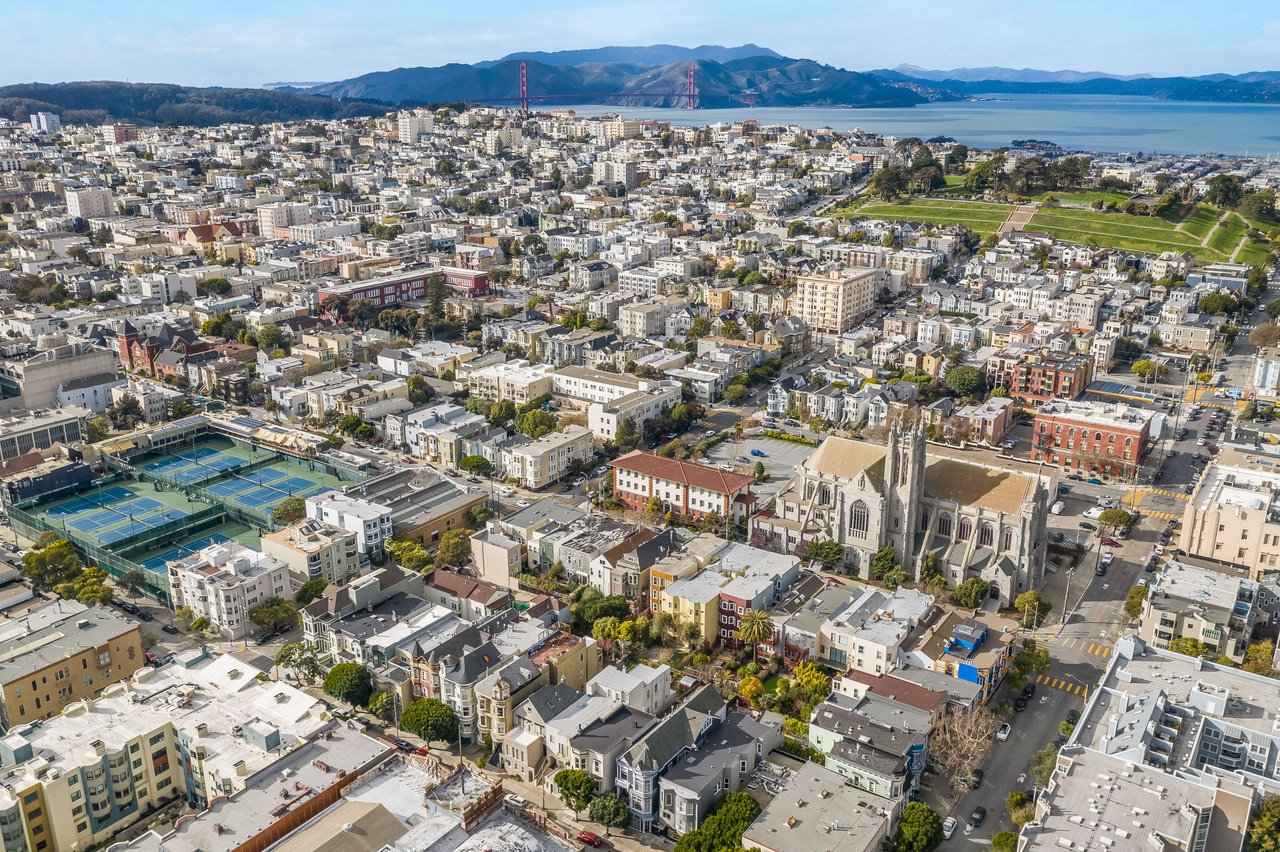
1251 87
653 76
96 101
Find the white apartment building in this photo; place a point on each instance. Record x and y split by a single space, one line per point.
281 216
224 581
604 418
94 202
591 385
834 302
519 381
645 688
152 396
412 124
613 171
643 319
642 282
313 550
537 462
371 522
46 122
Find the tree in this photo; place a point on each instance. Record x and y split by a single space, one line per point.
1265 335
1225 190
970 593
965 380
1043 763
610 811
1115 518
1218 304
290 510
1029 661
576 787
722 830
300 659
126 412
349 682
200 624
88 587
54 563
273 612
1264 829
1134 600
750 689
628 436
1028 603
536 423
1190 646
755 627
382 704
961 742
759 472
478 465
185 613
1148 369
430 719
919 829
133 583
1019 808
1004 841
828 552
479 514
310 590
419 391
271 337
591 606
96 429
883 561
454 547
1258 657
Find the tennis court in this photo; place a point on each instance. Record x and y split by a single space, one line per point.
119 511
95 500
201 463
160 562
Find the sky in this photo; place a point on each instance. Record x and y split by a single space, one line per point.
239 43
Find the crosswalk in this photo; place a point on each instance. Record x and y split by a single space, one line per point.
1096 649
1164 516
1176 495
1064 685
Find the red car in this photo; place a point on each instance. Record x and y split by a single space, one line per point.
588 838
1110 542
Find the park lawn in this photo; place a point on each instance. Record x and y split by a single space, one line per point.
982 217
1254 254
1202 221
1086 197
1117 230
1227 235
953 180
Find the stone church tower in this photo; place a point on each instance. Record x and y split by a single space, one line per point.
904 489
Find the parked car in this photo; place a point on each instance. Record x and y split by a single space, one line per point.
974 781
523 504
262 639
1108 557
710 433
143 615
448 471
516 801
1094 512
1109 541
1029 690
979 814
1094 481
1020 704
588 838
579 481
1064 489
132 609
1073 716
1003 732
1101 570
404 746
170 629
948 827
1085 525
758 453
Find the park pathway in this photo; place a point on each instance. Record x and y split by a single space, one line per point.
1019 218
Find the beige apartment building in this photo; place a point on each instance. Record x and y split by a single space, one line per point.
1194 602
833 302
519 381
60 652
314 550
1234 514
538 462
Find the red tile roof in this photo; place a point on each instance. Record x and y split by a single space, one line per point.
905 691
686 473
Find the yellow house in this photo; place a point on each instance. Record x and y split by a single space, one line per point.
695 600
718 299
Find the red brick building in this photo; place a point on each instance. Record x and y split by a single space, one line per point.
1091 438
1048 378
391 290
687 490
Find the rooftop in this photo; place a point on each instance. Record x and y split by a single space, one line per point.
820 812
686 473
52 632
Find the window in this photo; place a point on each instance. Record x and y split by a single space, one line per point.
944 526
966 530
859 520
986 536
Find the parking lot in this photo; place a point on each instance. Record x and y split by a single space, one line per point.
780 460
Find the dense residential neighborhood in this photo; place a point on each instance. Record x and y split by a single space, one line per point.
483 478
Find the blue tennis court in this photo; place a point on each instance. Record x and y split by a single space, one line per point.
159 563
95 500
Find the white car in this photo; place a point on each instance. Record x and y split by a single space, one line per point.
710 433
523 504
1108 557
579 481
1094 513
948 827
1003 733
508 492
1107 503
1200 442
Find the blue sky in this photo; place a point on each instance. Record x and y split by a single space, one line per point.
237 43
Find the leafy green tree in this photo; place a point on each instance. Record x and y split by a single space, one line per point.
88 587
919 829
419 391
310 590
478 515
828 552
576 787
1264 829
298 658
52 564
1218 304
430 719
349 682
1029 661
1148 369
454 548
274 612
590 606
1190 646
722 830
1115 518
200 624
1225 190
883 561
1134 600
97 428
750 689
755 627
628 436
133 583
1258 658
382 704
290 510
965 380
610 811
478 465
970 593
271 337
1043 763
1004 841
536 423
409 554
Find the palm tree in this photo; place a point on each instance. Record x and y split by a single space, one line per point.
755 627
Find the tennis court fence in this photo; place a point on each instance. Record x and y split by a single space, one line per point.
254 518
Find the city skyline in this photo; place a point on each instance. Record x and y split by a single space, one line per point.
244 44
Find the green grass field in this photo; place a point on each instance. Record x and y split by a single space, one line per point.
1086 197
1201 222
1227 235
983 217
1117 230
